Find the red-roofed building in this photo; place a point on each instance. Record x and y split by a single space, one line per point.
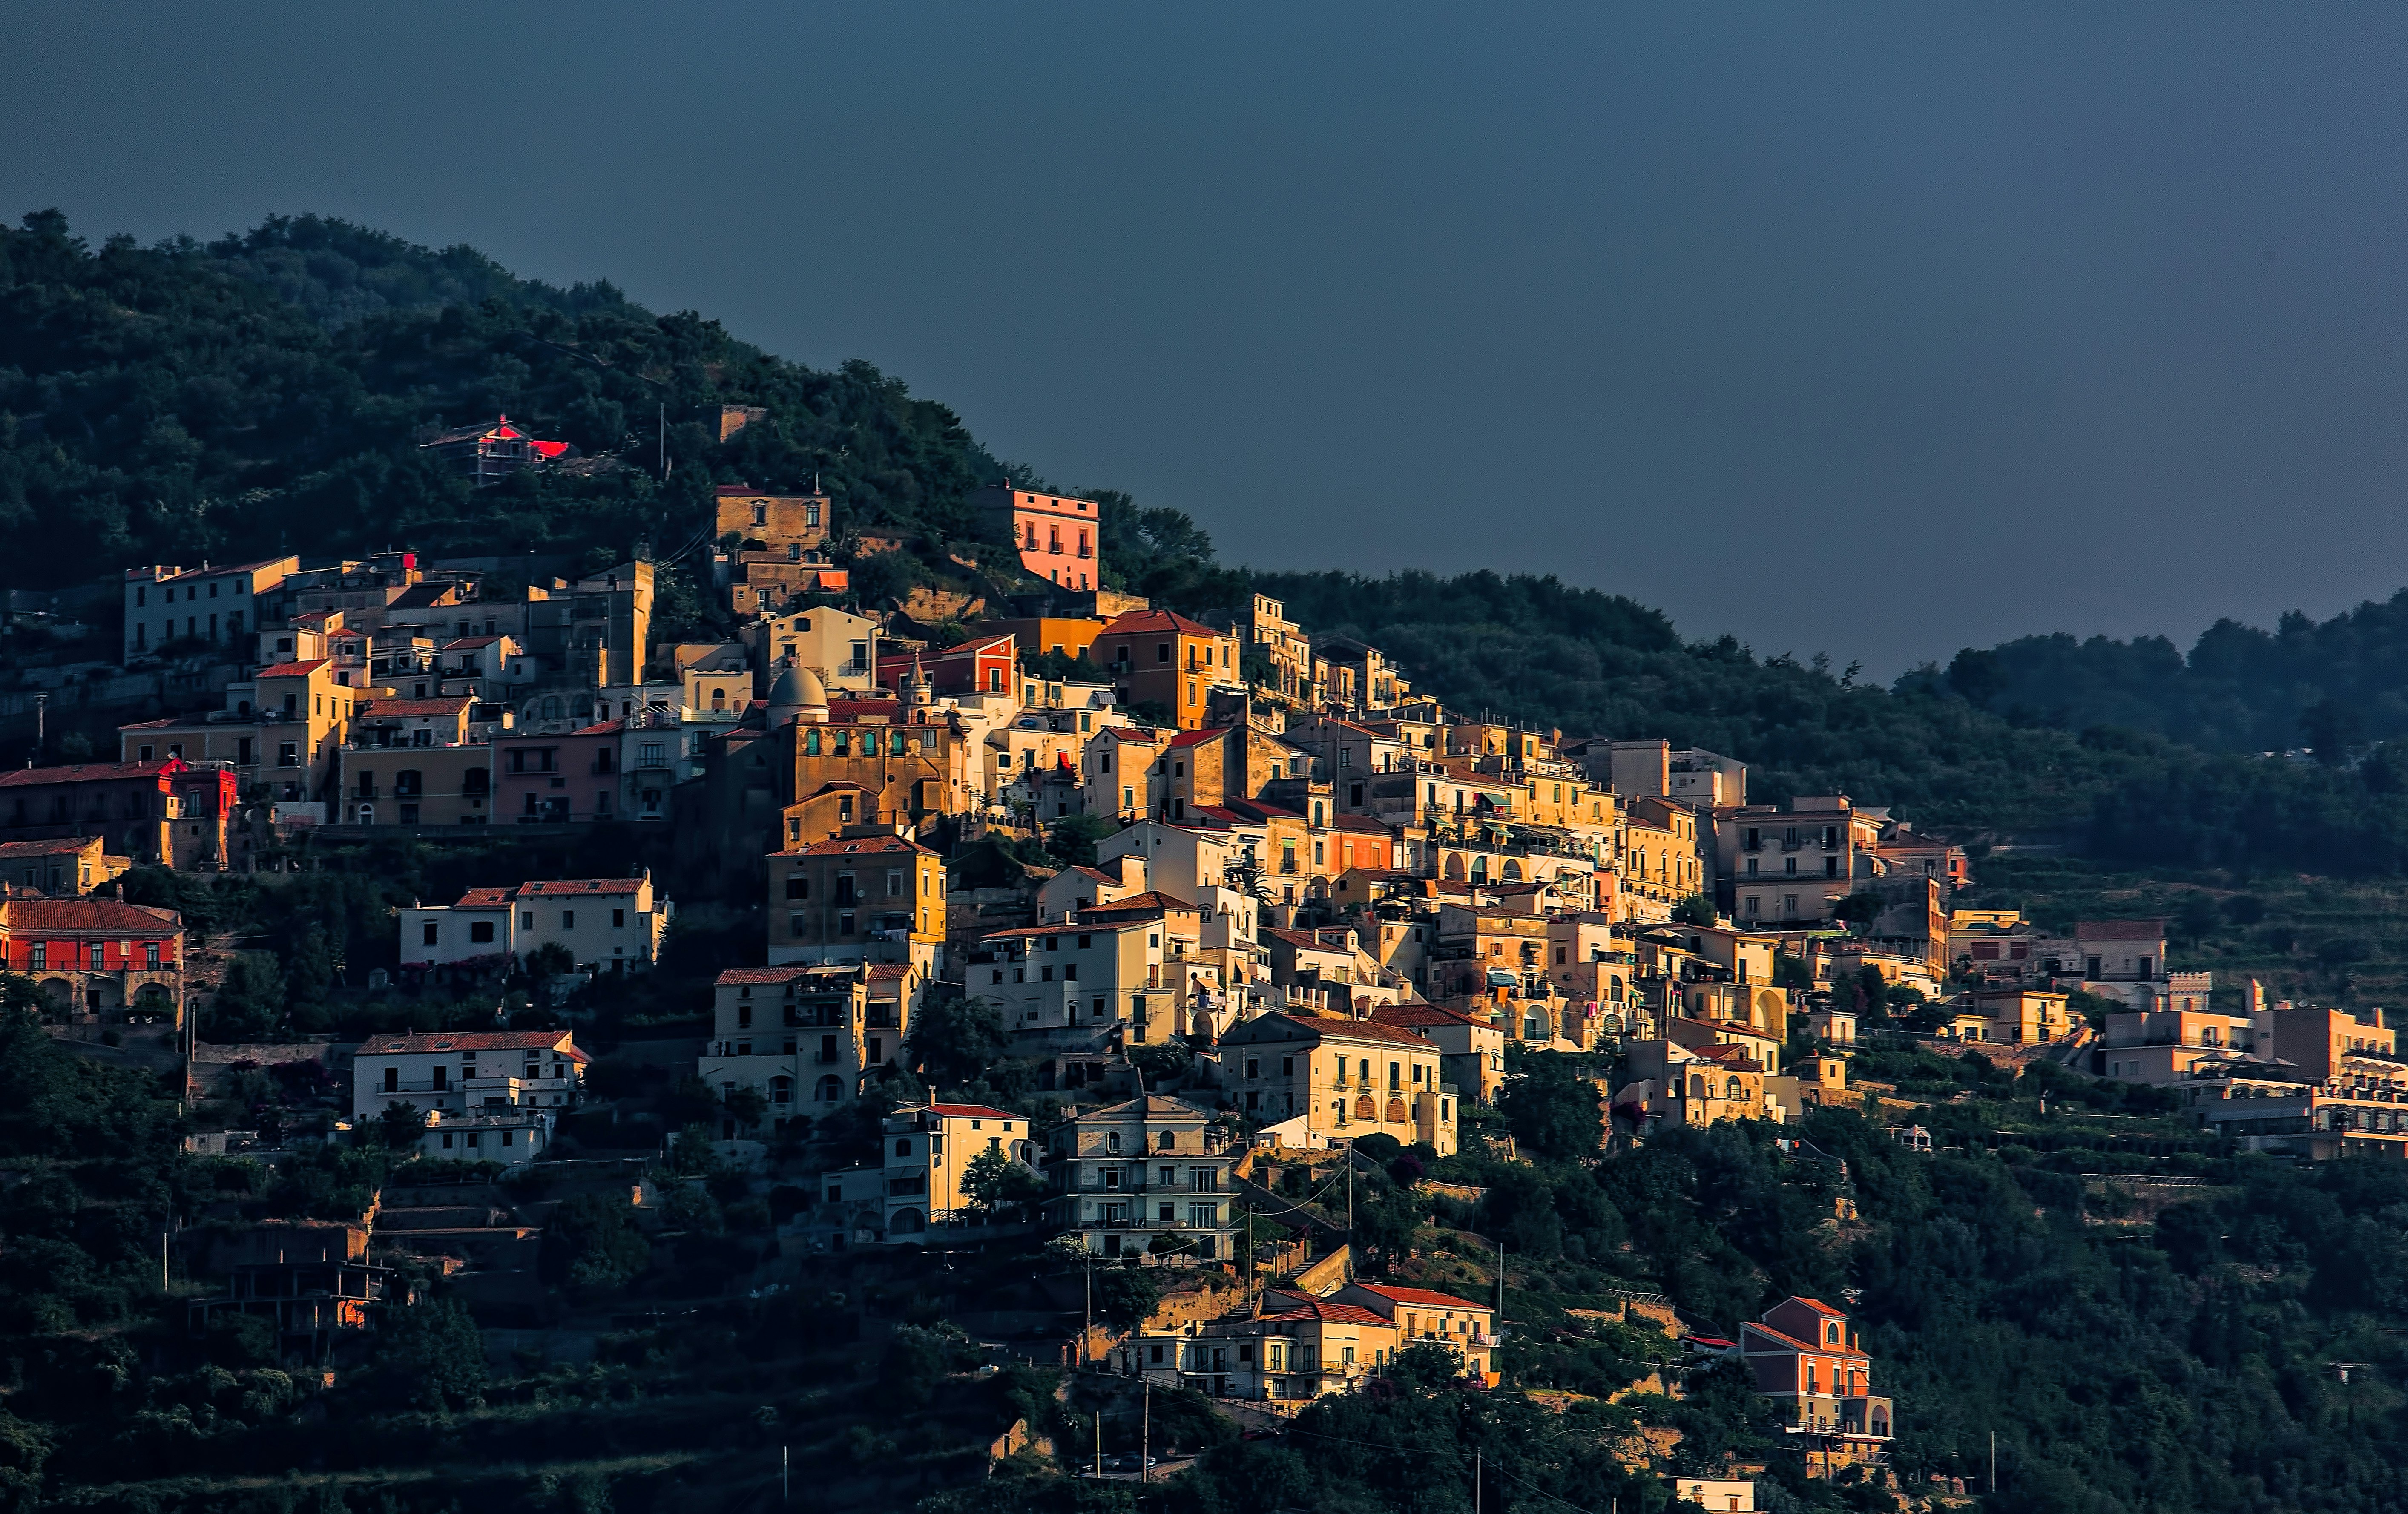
488 1096
1805 1358
96 958
799 1035
1057 536
1162 657
928 1149
1421 1314
486 455
867 894
605 924
982 666
62 867
1303 1350
166 812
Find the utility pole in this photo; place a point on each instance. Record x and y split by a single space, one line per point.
1994 1462
41 727
1475 1482
1091 1311
665 441
1145 1436
1099 1443
786 1474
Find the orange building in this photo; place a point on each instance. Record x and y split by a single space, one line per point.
1056 534
1167 658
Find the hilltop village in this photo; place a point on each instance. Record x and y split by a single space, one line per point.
1188 955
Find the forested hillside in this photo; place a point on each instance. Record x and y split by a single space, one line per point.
267 392
2326 686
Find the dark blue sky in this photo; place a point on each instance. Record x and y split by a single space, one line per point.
1873 329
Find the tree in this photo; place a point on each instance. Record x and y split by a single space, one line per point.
748 1106
1124 1296
1859 909
593 1243
955 1041
994 1183
401 1127
550 959
1550 1106
1697 909
1073 837
430 1356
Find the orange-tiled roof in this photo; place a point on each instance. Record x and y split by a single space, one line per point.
1138 623
972 1111
395 1044
1335 1313
46 849
447 704
292 670
1422 1297
862 843
2119 930
87 773
785 974
96 916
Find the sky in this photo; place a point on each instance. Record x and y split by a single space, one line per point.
1878 330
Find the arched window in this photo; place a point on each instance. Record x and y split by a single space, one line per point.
1166 1142
1512 873
1697 1087
719 699
1113 1141
907 1222
1479 869
829 1090
1733 1092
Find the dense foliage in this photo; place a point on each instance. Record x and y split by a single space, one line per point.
2322 686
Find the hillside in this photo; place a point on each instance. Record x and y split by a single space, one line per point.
2327 686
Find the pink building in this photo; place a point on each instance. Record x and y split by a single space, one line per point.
558 779
1056 534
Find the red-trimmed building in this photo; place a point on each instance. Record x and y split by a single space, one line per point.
1805 1357
486 455
989 665
96 958
1164 657
169 813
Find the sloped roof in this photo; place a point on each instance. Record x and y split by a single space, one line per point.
54 847
866 844
2119 930
785 974
1421 1298
1138 622
97 917
87 773
292 670
1335 1313
551 887
447 704
395 1044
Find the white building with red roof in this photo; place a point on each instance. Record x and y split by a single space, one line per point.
928 1149
606 924
487 1095
1423 1314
